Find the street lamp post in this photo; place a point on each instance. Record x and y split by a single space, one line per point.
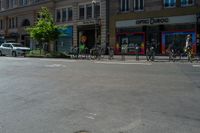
95 34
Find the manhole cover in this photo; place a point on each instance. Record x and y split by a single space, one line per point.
83 131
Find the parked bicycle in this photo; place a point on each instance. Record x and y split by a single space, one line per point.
97 52
74 52
110 53
150 53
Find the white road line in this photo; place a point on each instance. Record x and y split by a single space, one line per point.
196 65
92 114
90 117
124 63
58 60
55 65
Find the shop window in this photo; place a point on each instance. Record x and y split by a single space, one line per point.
124 5
138 5
70 14
64 15
177 40
132 40
81 12
187 2
169 3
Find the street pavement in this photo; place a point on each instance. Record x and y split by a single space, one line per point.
70 96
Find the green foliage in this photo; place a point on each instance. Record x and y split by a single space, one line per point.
44 29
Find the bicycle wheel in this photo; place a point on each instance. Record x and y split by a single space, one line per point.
190 56
93 55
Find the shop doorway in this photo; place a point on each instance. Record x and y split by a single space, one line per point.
86 36
153 34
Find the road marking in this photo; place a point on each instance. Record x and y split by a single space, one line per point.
124 63
196 65
55 65
58 60
92 114
90 117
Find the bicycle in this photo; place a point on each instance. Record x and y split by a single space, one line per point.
110 53
74 52
189 54
97 53
150 54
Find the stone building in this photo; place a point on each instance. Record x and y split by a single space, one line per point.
140 22
16 15
85 21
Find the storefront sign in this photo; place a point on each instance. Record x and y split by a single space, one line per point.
152 21
88 22
157 21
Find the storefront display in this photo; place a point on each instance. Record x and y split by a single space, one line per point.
64 43
132 40
177 40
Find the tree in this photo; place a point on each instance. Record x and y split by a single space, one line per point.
44 30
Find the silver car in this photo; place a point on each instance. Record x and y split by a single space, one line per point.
13 49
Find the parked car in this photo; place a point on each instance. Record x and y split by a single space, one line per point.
13 49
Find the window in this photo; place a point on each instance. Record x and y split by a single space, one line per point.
169 3
97 10
187 2
70 14
58 15
64 14
1 24
12 22
89 11
138 5
7 4
124 5
81 12
16 22
0 5
23 2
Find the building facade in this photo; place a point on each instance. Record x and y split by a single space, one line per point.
166 22
85 20
16 15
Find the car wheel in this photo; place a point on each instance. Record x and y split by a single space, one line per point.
14 54
1 53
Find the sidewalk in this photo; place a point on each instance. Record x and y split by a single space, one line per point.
143 58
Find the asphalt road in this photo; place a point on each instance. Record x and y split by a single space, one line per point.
66 96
